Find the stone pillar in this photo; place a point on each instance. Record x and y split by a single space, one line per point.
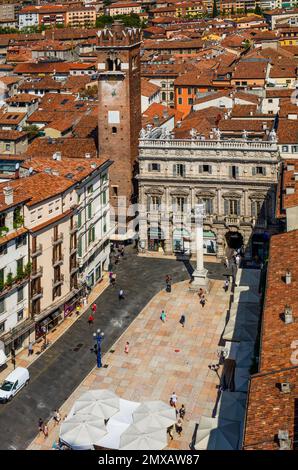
200 278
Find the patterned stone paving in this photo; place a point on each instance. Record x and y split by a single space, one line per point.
163 358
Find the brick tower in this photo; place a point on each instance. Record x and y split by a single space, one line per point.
119 101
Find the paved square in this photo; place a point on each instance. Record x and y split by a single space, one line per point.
164 357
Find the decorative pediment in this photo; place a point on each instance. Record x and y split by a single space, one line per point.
179 192
258 196
232 195
154 191
205 194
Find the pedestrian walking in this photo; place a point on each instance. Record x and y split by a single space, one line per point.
122 251
30 349
91 319
173 400
78 309
94 307
45 430
226 285
203 300
201 292
179 428
40 424
182 320
226 263
57 416
182 412
113 280
121 294
237 260
126 348
163 316
170 432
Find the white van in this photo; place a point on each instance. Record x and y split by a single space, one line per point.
13 384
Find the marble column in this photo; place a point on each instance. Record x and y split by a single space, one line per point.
199 275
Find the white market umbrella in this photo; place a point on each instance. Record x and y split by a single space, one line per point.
134 439
100 403
82 431
215 434
154 414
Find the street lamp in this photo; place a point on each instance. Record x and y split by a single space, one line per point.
98 336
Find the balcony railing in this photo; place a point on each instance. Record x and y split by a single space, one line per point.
57 261
74 228
37 294
36 251
208 144
232 221
59 280
59 239
37 273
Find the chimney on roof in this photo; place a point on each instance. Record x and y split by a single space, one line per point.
284 440
8 195
57 156
179 123
288 277
156 120
87 155
285 387
165 113
288 315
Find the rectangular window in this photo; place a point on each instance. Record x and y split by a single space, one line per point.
115 191
20 265
285 148
153 167
3 249
91 235
154 203
20 294
208 205
80 246
2 327
190 101
79 219
98 272
234 171
89 211
179 100
179 91
21 240
294 148
104 197
179 204
20 315
232 206
205 169
259 170
2 306
179 169
90 189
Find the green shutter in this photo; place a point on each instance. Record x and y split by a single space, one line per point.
79 219
80 246
89 211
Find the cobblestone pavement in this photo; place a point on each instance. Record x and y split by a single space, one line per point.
163 358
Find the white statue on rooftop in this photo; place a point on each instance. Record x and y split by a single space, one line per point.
244 134
273 136
143 133
193 133
217 133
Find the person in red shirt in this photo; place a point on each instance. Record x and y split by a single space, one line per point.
90 319
93 308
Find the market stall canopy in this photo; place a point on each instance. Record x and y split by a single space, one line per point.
100 403
82 432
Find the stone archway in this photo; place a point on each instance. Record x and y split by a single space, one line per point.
234 241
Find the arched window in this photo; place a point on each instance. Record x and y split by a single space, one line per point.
163 96
114 130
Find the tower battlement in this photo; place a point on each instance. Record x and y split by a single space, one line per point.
117 35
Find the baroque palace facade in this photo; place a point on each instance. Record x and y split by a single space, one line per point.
235 179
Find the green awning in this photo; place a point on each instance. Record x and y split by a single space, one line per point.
208 234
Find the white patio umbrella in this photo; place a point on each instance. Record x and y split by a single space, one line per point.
232 406
134 439
154 414
100 403
82 431
215 434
